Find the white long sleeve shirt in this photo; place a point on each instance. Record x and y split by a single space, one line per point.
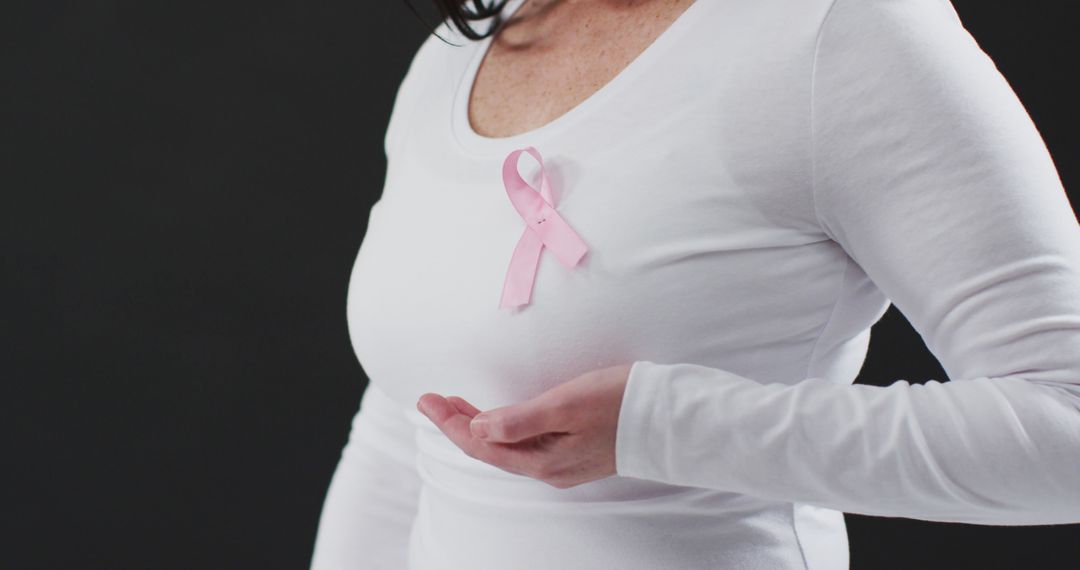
755 189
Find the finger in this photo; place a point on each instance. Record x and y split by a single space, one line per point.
449 419
435 407
519 458
532 418
463 406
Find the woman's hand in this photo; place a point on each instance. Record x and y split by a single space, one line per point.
563 437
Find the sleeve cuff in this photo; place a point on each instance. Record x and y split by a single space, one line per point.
647 439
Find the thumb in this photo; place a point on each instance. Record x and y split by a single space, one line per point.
520 421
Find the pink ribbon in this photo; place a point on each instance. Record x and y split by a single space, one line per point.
543 227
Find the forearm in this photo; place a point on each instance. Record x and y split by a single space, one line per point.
1001 451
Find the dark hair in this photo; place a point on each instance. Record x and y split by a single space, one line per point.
460 16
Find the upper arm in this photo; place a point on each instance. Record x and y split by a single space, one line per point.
931 175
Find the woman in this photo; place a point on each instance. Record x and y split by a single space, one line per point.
734 193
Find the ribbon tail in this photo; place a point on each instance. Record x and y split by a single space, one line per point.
521 274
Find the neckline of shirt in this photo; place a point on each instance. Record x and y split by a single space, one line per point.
472 142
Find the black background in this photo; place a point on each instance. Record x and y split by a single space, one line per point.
185 186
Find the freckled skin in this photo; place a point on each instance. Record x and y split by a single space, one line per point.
553 54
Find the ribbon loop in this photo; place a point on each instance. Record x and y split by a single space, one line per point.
544 226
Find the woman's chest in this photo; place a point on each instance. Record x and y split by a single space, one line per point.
688 182
681 262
